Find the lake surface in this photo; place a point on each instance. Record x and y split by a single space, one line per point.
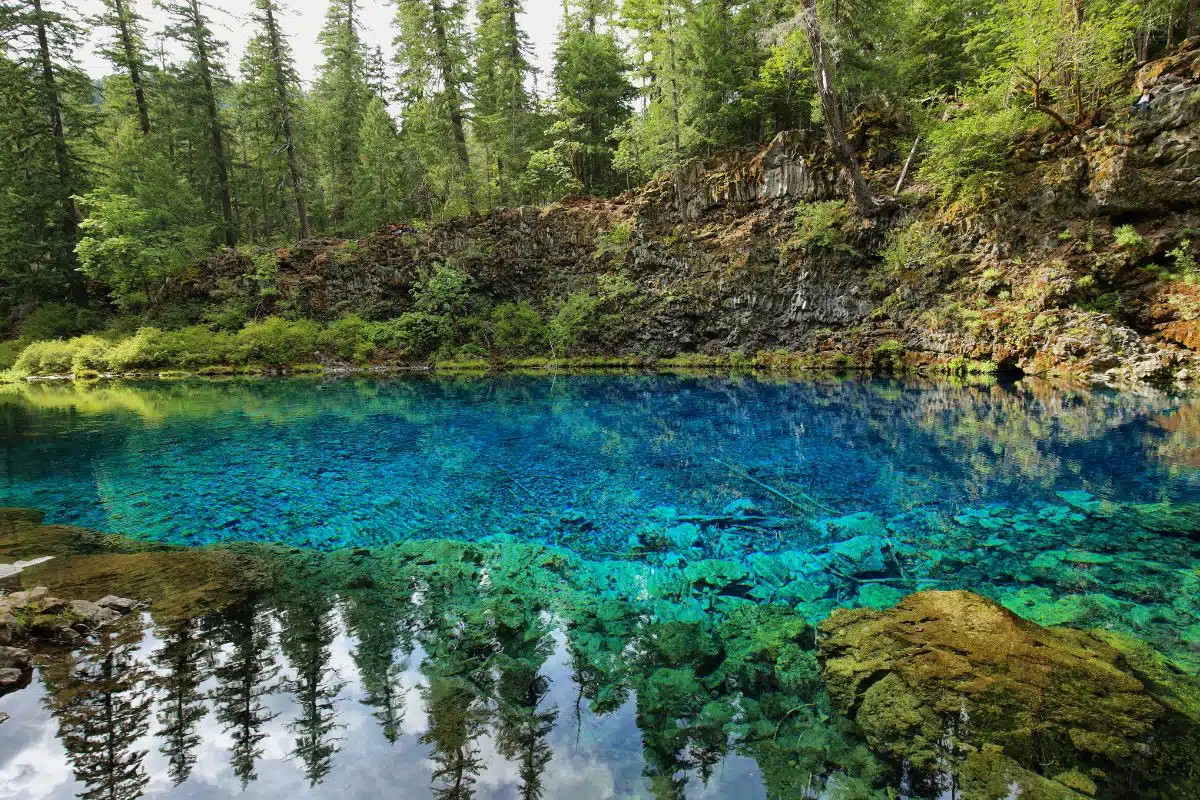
542 587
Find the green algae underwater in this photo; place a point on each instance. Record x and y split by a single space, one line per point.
749 588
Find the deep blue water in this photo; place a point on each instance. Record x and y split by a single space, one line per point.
579 461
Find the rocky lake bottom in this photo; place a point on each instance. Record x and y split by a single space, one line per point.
607 586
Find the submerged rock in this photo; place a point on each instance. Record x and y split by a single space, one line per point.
860 556
950 673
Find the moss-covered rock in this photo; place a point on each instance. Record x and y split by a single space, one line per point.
947 673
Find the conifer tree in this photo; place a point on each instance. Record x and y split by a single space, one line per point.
190 27
433 51
126 51
503 108
340 100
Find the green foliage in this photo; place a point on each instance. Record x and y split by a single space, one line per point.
54 357
445 291
967 158
1126 237
820 227
573 320
347 338
414 333
613 243
276 342
135 248
915 256
888 356
57 321
517 329
1181 256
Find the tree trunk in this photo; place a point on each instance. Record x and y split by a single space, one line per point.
677 144
1191 19
285 113
135 72
70 219
831 105
214 121
907 165
453 98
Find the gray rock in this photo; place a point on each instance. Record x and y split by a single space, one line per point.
122 605
93 613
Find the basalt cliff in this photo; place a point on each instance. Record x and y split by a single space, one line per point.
1083 266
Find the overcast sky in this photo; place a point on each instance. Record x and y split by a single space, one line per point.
302 20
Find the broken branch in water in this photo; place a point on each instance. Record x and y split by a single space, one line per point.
743 474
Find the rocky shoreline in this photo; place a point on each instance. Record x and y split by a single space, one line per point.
34 618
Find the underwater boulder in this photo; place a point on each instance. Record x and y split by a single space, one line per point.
864 523
860 556
947 673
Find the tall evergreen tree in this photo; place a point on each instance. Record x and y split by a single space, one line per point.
340 101
190 27
593 93
245 677
269 66
102 706
434 52
44 77
502 115
126 51
185 660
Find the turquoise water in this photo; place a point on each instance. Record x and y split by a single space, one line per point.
580 586
578 461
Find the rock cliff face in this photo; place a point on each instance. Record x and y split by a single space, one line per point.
750 251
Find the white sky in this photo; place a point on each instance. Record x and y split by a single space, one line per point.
302 20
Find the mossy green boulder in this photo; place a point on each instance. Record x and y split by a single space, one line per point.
946 674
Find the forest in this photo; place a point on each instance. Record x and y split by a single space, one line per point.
113 186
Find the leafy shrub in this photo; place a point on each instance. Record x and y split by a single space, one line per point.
347 338
197 346
888 356
276 342
613 244
9 352
52 357
91 355
517 329
914 255
444 292
967 159
615 287
141 351
413 333
1126 237
572 321
1185 262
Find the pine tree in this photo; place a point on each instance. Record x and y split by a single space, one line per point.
184 659
502 114
269 66
190 27
245 677
102 707
340 100
433 50
45 79
307 633
127 51
378 191
592 94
